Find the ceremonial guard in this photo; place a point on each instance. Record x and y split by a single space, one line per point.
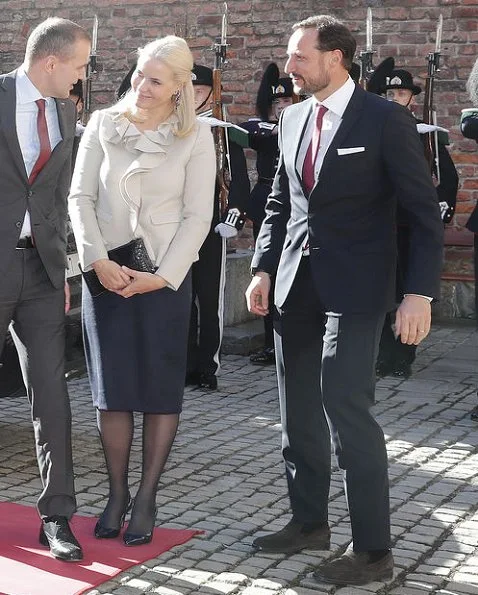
395 358
274 95
209 272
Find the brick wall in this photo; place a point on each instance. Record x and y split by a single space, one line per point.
258 32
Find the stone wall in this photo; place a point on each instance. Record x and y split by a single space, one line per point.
258 32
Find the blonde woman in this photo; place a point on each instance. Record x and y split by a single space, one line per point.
145 169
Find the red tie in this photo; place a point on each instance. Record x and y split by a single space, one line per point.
308 170
45 149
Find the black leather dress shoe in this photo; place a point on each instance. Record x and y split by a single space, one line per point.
56 534
208 381
264 357
295 536
354 568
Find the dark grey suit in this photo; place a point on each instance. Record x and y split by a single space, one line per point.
32 292
331 304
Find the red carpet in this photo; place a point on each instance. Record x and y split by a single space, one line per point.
26 567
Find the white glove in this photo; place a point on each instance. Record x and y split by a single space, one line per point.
443 208
228 228
225 230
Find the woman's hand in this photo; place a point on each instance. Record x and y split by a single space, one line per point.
111 275
141 282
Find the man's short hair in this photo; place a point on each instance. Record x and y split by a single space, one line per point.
332 34
54 37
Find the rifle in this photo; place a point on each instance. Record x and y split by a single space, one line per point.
219 133
91 69
365 56
429 112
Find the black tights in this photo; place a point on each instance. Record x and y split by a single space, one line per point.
116 430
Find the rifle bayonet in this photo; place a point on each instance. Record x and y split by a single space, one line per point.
429 112
369 45
220 136
365 56
91 69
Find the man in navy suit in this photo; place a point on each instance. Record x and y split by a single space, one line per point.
329 239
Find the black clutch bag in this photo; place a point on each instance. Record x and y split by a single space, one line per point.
133 255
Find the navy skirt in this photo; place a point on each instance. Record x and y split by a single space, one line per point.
136 348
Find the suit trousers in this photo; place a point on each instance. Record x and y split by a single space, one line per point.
326 375
36 311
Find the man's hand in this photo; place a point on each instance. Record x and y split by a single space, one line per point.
257 294
413 319
141 282
67 297
111 275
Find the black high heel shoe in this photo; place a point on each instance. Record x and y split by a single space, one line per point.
140 538
102 532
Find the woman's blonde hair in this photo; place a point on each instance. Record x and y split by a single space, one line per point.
173 52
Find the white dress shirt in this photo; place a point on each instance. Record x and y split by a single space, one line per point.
27 130
336 105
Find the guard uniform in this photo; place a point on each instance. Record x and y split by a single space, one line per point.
209 272
263 139
394 356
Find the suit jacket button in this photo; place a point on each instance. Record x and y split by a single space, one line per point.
18 224
30 193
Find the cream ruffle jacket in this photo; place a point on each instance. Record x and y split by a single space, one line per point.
154 184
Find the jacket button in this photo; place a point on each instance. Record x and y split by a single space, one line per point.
18 224
30 193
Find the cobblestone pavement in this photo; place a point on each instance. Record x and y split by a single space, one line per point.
225 476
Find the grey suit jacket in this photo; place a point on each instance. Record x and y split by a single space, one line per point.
45 199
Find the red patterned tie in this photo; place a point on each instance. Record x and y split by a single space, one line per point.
308 170
45 149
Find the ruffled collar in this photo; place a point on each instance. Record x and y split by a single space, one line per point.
150 141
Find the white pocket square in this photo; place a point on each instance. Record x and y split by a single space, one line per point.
350 150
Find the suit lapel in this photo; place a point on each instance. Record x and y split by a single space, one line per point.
8 120
352 112
301 128
9 128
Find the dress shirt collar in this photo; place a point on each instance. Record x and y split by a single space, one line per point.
26 90
338 101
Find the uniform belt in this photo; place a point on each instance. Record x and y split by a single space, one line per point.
267 181
25 243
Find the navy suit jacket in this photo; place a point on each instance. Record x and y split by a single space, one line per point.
350 215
